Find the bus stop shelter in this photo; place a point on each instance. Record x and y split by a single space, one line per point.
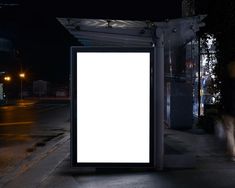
129 33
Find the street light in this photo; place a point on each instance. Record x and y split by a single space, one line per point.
22 76
7 78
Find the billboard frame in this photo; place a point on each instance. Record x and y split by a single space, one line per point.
73 91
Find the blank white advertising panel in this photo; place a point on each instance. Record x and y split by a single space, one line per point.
112 107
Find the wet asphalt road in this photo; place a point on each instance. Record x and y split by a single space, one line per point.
27 125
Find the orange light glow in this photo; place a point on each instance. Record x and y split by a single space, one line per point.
22 75
7 78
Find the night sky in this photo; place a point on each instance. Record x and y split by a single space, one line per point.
43 44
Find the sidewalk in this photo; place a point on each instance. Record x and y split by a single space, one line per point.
207 166
39 166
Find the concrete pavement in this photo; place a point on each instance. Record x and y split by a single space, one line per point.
210 168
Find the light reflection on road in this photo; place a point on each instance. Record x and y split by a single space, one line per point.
23 126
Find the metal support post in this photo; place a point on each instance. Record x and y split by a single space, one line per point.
159 99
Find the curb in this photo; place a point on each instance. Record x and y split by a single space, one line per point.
36 170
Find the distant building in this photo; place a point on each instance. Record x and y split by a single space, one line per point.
40 88
61 93
1 92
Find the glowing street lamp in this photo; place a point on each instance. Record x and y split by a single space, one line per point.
22 76
7 78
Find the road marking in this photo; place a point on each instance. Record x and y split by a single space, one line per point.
52 107
17 123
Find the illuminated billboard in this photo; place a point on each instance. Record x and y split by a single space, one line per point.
111 107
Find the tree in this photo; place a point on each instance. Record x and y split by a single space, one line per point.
220 22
